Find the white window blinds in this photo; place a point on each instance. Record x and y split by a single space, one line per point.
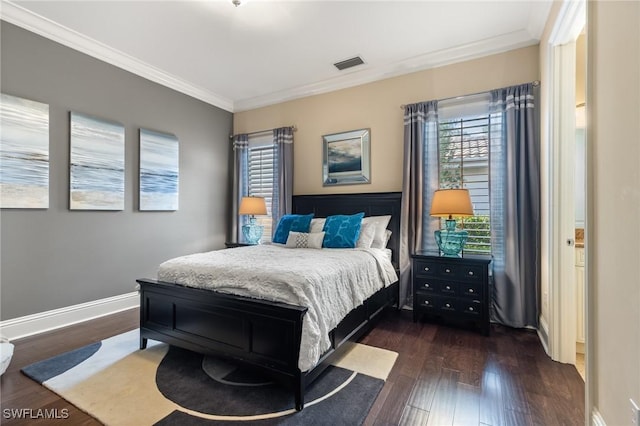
463 150
260 177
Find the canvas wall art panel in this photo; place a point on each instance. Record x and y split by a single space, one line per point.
159 167
24 153
96 164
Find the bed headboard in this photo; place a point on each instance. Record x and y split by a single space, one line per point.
372 204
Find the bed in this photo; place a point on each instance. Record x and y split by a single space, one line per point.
264 334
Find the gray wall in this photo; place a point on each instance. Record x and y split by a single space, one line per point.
56 257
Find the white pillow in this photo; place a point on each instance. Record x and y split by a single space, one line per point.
317 225
305 240
387 237
367 234
380 222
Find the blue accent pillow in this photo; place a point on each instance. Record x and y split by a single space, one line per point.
342 231
291 222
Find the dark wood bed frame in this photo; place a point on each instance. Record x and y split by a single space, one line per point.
262 334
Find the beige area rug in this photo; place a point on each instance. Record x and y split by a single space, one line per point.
119 384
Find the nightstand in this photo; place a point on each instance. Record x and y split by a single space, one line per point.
452 288
234 245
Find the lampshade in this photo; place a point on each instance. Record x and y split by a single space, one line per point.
448 203
253 206
451 202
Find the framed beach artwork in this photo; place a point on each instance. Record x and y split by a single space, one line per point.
159 155
24 153
96 164
346 158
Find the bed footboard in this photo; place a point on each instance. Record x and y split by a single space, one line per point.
255 332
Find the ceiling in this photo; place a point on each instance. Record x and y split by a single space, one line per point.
266 52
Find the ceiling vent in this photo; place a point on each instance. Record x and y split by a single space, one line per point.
348 63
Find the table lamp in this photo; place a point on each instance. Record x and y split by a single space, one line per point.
252 206
449 203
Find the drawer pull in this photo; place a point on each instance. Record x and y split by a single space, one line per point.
448 287
447 305
447 270
426 268
470 290
426 302
427 286
470 272
471 308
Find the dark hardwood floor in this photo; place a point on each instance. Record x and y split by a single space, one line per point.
20 392
450 376
443 375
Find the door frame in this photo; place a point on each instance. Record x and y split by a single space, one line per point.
563 310
561 71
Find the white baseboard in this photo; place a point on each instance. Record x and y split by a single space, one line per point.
543 334
29 325
596 418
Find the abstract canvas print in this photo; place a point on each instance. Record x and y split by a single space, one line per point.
24 153
158 171
97 164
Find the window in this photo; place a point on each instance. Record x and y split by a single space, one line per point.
463 152
260 177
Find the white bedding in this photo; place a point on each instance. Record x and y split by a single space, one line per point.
329 282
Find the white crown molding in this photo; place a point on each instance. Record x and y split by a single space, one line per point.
50 320
35 23
489 46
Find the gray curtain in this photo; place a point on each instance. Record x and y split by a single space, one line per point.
515 206
283 173
240 182
420 165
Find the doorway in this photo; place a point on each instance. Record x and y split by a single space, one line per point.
580 200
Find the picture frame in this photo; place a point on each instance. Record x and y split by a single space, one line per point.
159 171
24 153
346 158
96 163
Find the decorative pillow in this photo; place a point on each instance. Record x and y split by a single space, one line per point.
291 222
317 224
367 232
380 223
305 240
342 231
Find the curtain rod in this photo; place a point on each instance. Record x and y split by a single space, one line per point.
293 127
535 83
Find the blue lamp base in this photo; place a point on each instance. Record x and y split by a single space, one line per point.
450 240
252 232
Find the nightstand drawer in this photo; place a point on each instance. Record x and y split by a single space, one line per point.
447 304
470 289
448 288
461 272
424 268
426 301
437 287
426 285
471 307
